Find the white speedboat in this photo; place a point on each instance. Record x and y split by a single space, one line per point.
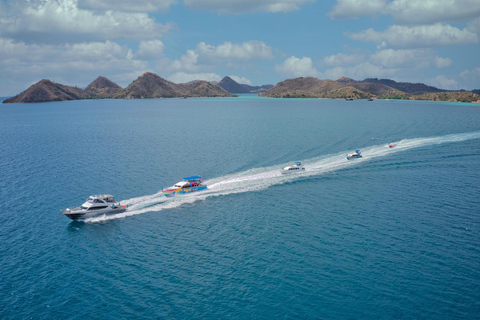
95 206
296 167
357 154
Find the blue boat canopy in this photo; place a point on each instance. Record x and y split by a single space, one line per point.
193 178
298 163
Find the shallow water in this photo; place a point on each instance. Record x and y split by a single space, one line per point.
394 234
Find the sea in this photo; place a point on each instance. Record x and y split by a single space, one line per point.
394 235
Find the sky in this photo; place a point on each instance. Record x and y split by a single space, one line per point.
253 41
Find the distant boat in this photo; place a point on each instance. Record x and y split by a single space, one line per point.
357 154
349 99
370 99
391 145
296 167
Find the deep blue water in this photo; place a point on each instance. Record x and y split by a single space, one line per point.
393 235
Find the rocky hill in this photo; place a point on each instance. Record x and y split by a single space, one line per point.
232 86
102 88
150 85
46 90
369 88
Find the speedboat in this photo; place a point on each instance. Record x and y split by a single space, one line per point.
357 154
189 184
296 167
391 145
95 206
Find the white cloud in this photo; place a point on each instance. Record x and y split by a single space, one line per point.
242 6
241 80
151 49
472 77
410 58
341 59
417 12
233 51
128 5
474 26
360 71
73 64
206 56
297 67
444 82
56 21
187 62
440 62
432 11
345 9
182 77
417 36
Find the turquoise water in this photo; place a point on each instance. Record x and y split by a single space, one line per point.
393 235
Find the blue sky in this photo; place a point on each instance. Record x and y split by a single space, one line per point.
254 41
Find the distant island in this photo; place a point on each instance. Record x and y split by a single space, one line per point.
148 85
371 88
151 85
232 86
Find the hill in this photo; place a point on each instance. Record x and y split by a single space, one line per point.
411 88
150 85
102 88
46 90
369 88
232 86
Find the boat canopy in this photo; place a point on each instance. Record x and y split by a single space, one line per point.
298 163
193 178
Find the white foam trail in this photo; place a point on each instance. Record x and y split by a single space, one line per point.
263 178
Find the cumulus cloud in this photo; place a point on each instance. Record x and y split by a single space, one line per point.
187 62
76 64
409 11
440 62
341 59
417 36
149 50
360 71
59 21
206 56
128 5
472 77
243 6
409 58
444 82
297 67
345 9
233 51
433 11
182 77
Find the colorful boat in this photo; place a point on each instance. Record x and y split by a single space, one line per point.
357 154
189 184
391 145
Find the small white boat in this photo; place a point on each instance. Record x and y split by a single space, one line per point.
296 167
95 206
357 154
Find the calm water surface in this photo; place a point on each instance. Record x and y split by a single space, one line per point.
393 235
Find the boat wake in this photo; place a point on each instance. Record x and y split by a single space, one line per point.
262 178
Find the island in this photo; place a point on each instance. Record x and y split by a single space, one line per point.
370 88
148 85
